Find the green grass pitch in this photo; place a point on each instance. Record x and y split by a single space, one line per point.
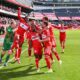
69 70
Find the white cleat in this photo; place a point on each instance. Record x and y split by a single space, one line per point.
63 51
60 62
49 71
18 61
38 70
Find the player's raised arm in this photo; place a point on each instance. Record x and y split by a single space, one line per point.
19 14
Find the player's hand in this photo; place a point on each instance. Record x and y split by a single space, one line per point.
19 8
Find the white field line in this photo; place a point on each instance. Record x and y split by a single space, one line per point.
13 58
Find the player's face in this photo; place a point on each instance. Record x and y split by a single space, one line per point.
44 26
43 20
32 22
62 25
13 25
33 28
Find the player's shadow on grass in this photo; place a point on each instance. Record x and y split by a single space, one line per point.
9 73
15 68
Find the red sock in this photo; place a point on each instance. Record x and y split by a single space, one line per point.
63 46
16 55
37 63
57 56
51 56
19 53
48 62
29 52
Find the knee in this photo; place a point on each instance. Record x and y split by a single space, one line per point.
36 55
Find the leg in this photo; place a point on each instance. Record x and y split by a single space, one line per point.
29 48
37 61
63 45
51 56
18 53
2 55
47 52
8 57
57 55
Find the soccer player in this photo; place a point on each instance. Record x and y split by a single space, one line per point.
22 28
52 39
62 35
31 23
36 44
15 43
29 43
47 45
8 40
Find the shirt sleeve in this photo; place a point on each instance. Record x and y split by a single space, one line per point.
19 15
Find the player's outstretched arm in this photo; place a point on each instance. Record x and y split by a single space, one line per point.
68 26
55 26
19 13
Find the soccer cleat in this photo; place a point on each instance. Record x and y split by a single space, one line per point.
5 64
49 71
18 61
60 62
38 70
63 51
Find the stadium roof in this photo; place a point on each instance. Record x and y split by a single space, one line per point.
17 3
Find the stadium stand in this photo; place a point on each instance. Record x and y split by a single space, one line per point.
8 11
60 9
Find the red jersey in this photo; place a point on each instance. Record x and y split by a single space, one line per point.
23 26
28 34
35 40
46 34
51 28
62 30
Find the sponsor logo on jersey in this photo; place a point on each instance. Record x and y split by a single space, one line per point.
24 26
43 36
35 38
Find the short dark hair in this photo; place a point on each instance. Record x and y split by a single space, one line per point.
46 23
46 18
31 19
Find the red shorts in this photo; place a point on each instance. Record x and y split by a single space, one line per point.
37 50
47 50
14 45
62 37
20 40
